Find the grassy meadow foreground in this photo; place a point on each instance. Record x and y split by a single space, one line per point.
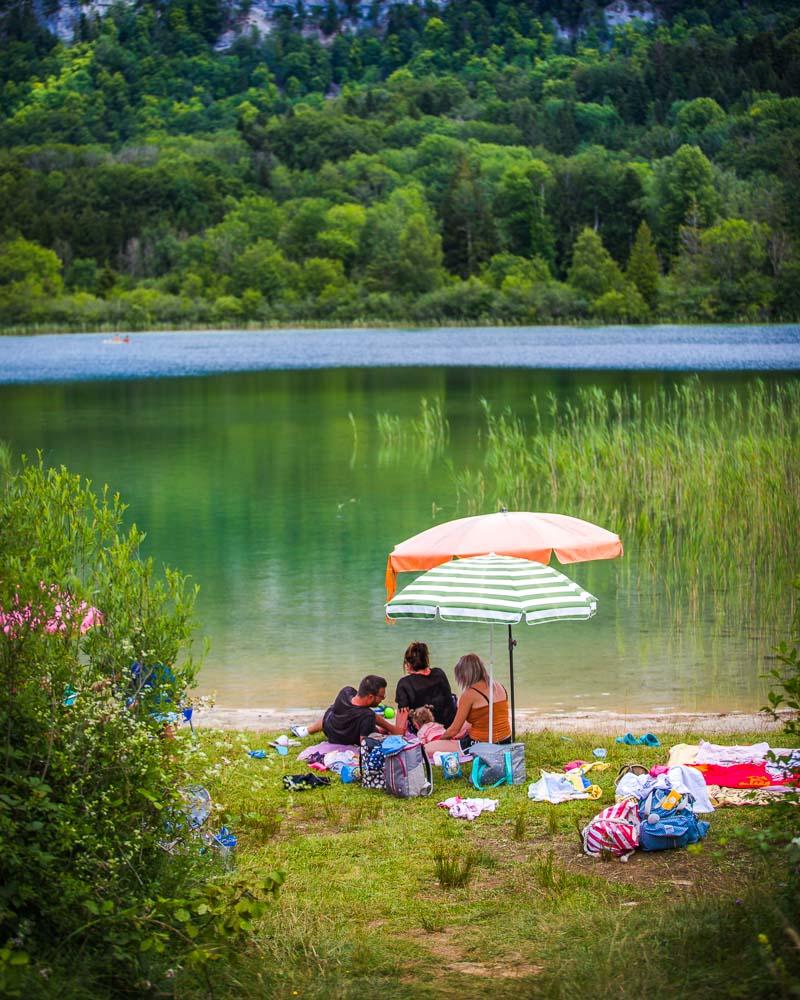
372 902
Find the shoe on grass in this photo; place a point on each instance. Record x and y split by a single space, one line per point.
299 731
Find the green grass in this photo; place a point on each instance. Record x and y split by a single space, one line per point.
387 897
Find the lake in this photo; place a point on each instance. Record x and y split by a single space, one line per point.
259 469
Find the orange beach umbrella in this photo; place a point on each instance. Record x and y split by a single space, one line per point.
524 534
527 535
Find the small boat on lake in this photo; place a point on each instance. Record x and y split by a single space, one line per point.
116 339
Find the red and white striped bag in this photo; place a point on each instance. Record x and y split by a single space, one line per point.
615 829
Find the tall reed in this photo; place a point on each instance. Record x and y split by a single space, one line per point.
427 436
705 481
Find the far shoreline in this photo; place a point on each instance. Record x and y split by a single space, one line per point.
270 720
302 326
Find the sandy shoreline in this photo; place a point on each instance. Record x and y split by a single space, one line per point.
270 720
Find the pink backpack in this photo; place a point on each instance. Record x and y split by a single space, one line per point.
615 829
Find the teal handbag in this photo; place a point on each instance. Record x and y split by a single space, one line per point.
495 764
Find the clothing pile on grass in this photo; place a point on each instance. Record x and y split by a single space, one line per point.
755 774
396 764
657 809
573 784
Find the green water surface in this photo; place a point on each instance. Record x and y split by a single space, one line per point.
273 491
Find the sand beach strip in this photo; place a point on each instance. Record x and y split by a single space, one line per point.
269 720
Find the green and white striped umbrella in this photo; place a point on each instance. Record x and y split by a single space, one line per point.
495 590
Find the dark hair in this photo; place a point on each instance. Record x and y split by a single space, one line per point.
417 656
371 684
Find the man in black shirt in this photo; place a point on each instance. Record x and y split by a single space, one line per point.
351 716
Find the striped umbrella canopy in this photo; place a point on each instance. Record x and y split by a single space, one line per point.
495 590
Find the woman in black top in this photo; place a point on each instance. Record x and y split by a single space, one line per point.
425 685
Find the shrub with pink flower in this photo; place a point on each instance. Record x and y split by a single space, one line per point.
57 612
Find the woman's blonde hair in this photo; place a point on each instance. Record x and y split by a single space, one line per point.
470 670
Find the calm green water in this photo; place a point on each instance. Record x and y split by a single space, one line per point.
283 509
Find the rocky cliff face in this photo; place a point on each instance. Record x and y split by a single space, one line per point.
63 17
261 15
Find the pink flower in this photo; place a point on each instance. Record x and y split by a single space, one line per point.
91 618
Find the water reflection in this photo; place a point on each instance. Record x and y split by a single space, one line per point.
272 491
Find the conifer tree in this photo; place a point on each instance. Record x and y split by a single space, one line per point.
469 236
594 271
643 270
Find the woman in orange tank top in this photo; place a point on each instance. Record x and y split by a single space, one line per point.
473 705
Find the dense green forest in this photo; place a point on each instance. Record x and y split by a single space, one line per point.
479 161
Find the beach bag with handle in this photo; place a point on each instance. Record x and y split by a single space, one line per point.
372 762
615 829
496 764
407 773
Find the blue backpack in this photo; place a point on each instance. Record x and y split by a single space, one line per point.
670 823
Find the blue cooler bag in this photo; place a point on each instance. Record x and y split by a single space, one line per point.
667 821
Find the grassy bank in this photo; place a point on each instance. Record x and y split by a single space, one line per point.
363 911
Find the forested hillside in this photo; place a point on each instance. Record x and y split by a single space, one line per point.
480 161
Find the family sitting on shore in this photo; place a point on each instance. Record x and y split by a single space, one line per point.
426 706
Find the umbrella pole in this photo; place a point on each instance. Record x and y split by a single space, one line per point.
511 644
491 683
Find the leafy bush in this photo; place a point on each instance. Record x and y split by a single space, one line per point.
89 790
787 677
785 828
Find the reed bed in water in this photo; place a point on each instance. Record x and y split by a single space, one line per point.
428 434
705 480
